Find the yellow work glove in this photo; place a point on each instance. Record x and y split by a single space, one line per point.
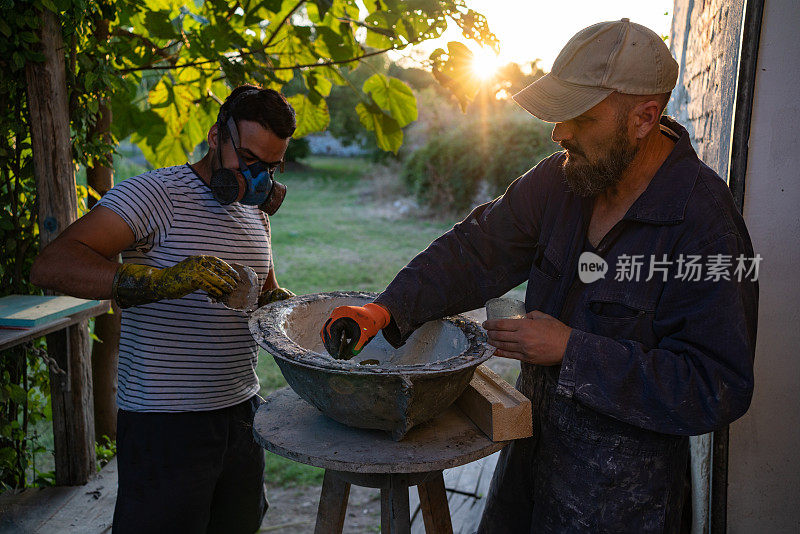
274 295
140 284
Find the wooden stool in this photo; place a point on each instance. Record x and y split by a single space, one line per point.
288 426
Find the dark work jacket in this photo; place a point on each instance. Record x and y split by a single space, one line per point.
646 359
674 357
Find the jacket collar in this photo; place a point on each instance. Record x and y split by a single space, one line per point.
665 198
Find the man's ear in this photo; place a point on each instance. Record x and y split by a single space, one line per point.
647 115
213 137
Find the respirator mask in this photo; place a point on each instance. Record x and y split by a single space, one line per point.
260 188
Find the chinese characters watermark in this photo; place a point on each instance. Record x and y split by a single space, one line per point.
687 268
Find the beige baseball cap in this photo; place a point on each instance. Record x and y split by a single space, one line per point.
605 57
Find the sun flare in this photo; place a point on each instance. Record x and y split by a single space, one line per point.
485 63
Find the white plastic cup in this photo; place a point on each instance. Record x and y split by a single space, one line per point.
503 308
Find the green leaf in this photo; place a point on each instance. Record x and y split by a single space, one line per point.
323 6
331 44
7 456
311 116
272 5
331 73
50 5
380 33
388 134
158 24
234 71
293 46
19 62
197 18
28 37
163 5
393 96
316 82
453 69
18 395
89 79
186 122
130 119
260 11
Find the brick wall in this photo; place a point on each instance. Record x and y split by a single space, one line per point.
704 39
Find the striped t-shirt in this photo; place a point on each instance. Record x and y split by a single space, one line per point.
186 354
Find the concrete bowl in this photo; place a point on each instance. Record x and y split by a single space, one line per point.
383 387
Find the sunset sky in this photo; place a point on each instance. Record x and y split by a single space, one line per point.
530 29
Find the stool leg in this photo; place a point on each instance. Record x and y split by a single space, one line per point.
395 515
332 505
433 501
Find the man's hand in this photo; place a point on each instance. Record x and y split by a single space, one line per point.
273 295
538 338
140 284
351 327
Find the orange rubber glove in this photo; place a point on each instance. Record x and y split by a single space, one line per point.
350 328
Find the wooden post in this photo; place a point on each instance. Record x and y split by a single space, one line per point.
435 510
105 355
332 508
395 513
55 187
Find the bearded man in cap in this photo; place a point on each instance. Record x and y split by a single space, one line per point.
620 369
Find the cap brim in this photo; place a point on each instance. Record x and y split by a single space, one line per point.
553 100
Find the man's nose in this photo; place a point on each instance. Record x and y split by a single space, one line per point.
560 132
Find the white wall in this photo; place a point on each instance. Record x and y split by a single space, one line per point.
764 455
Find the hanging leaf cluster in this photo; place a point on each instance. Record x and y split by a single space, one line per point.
177 62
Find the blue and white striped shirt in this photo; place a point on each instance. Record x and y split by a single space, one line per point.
186 354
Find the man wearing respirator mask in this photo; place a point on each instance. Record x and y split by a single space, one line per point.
187 383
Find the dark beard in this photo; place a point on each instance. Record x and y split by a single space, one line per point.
590 179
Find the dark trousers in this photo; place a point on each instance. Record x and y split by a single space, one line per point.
190 472
584 472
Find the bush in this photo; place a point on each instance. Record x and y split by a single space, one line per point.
476 159
298 149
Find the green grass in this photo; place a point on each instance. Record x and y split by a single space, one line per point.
280 471
329 236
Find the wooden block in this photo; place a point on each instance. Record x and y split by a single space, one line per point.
497 408
27 311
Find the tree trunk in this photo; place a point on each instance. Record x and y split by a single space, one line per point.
55 188
105 355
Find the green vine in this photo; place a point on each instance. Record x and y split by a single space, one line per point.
24 388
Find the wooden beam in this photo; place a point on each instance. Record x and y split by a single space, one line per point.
395 514
73 424
105 354
50 135
502 412
332 508
435 510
